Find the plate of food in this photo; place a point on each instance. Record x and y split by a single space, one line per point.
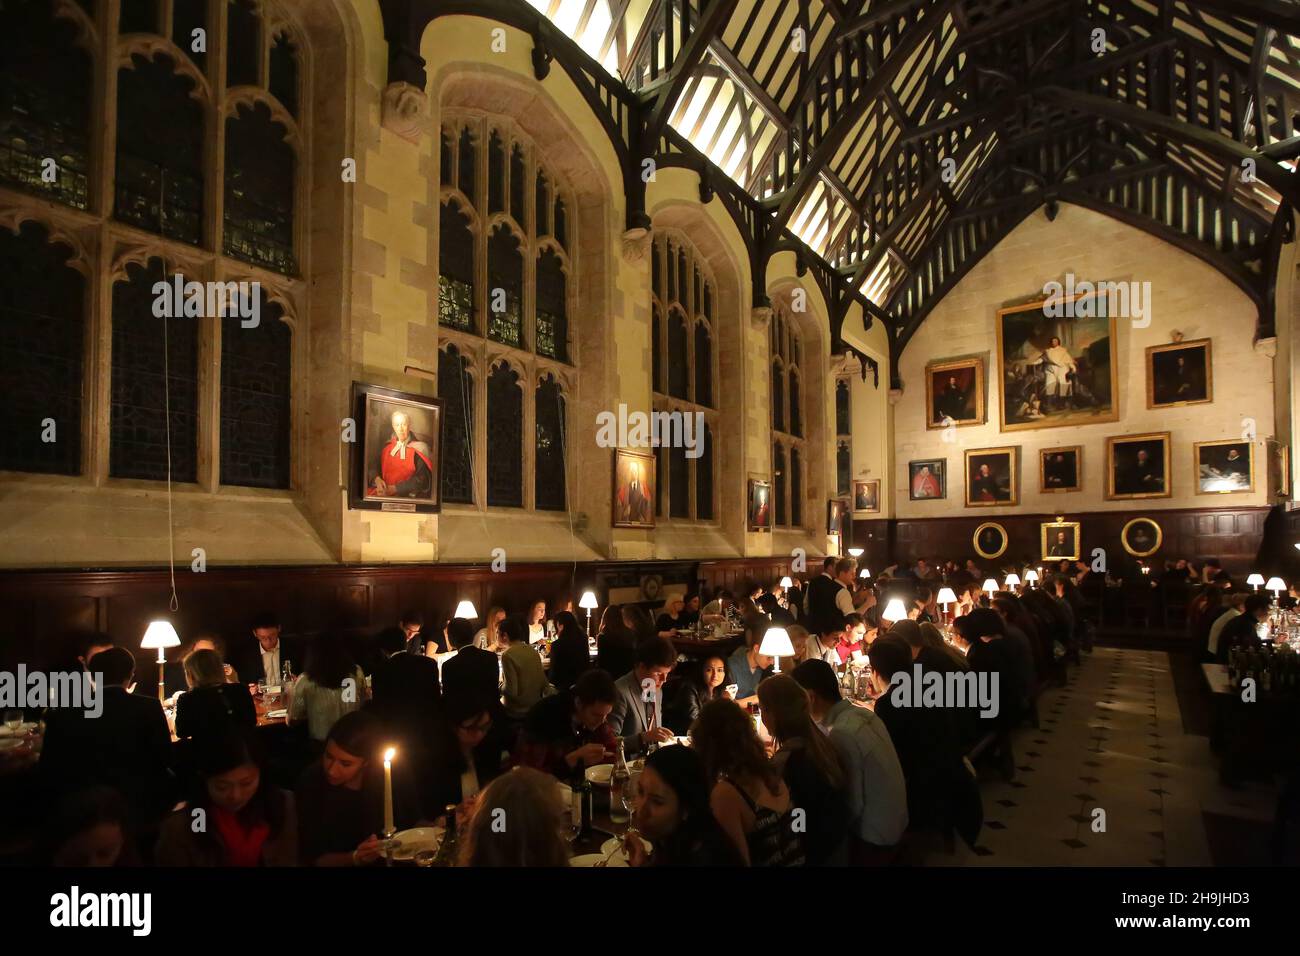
600 774
613 850
407 843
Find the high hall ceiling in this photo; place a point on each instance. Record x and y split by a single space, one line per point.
900 140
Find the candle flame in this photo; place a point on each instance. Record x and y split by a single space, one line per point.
389 754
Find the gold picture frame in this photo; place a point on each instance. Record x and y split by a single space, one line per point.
975 366
1073 530
989 526
990 484
633 501
1066 450
868 490
1133 549
1222 481
1201 392
1138 475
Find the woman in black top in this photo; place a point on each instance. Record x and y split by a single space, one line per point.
211 705
465 754
810 767
673 617
569 654
672 812
615 644
687 692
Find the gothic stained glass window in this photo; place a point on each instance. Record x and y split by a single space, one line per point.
496 173
660 455
45 87
778 397
283 74
159 174
778 482
466 159
787 411
188 16
548 472
703 365
259 190
456 270
518 183
552 309
138 16
541 202
243 43
656 350
678 370
505 287
456 389
843 468
796 487
446 169
256 370
796 416
679 483
40 353
843 419
505 428
704 477
561 224
138 416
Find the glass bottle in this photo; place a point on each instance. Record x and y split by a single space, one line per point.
447 849
619 780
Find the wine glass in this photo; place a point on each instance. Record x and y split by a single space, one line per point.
13 719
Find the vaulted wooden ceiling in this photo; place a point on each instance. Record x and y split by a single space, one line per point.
893 143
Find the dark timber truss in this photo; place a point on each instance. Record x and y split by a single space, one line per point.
892 143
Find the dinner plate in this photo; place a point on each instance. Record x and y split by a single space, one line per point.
25 728
591 859
620 858
411 842
274 714
10 743
600 774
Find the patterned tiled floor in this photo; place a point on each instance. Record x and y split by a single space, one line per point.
1111 740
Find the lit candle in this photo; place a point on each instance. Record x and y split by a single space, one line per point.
388 790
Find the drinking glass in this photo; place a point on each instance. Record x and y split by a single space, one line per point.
13 719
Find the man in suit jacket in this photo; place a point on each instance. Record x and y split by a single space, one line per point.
127 746
633 717
472 671
262 658
405 687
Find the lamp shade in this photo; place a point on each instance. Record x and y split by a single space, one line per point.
776 643
786 582
855 552
465 609
1031 575
160 634
588 601
864 573
946 596
1274 584
1013 580
990 585
895 610
1255 580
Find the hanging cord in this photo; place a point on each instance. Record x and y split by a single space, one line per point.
167 415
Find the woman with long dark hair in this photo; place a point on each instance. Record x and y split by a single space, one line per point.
330 686
749 799
672 813
570 656
615 644
687 692
466 751
247 820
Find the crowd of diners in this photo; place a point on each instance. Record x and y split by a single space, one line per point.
482 723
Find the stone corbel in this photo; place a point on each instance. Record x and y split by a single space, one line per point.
760 316
1266 347
895 396
636 244
404 110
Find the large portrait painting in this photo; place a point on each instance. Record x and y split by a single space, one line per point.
1137 466
1060 539
1179 374
397 455
1060 469
954 393
927 478
836 509
866 497
991 477
1057 363
1224 467
760 504
634 492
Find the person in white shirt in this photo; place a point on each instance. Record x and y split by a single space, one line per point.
488 638
1235 603
537 622
821 647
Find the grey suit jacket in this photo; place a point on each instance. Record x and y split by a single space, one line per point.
627 719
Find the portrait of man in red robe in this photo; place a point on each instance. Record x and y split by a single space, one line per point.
405 465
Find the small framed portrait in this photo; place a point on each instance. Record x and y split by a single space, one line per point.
760 504
991 477
990 540
1224 467
866 497
634 491
1279 463
1141 537
1060 469
954 393
927 478
1060 539
1137 466
1179 374
836 509
397 457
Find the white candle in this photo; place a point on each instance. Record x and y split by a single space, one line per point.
388 790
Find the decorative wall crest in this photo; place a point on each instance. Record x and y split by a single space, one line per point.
404 110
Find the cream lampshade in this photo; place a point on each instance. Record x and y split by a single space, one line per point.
1013 581
855 552
1031 576
776 645
1255 580
466 610
588 603
160 635
786 582
895 610
1276 585
991 586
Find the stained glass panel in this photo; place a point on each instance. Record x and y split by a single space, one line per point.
704 478
548 482
243 43
842 417
505 424
843 468
796 487
679 483
259 190
456 389
456 271
678 369
552 308
703 365
256 369
188 16
778 398
778 482
505 287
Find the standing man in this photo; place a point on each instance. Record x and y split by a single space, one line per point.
1059 368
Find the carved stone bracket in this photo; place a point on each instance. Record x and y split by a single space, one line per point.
760 316
895 396
404 110
636 244
1267 347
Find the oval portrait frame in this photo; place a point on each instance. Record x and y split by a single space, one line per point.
975 540
1123 537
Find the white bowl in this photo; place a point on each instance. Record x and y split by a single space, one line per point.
600 774
619 858
411 842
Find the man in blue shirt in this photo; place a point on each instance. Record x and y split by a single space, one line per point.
746 667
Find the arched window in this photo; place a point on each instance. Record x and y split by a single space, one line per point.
256 369
549 491
143 398
45 88
787 419
260 177
513 234
778 481
505 453
456 389
682 370
41 355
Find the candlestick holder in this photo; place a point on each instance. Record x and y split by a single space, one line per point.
389 845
